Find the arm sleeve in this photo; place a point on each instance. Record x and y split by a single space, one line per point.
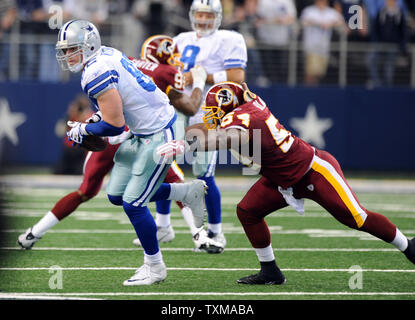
235 52
98 78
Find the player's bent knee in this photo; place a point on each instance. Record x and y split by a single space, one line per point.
246 217
115 200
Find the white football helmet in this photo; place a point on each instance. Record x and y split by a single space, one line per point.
83 36
205 28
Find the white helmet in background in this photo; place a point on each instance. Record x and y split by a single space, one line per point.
206 27
81 35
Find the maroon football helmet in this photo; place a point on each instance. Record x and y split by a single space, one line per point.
221 99
162 50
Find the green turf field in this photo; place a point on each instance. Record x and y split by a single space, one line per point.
89 254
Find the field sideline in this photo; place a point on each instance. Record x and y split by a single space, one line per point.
89 254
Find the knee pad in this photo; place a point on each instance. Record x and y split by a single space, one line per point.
115 200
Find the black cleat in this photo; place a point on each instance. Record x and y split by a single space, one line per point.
261 278
410 251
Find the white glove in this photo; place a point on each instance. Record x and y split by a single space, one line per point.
77 133
173 148
120 138
96 117
199 76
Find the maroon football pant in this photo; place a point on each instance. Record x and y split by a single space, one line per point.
325 184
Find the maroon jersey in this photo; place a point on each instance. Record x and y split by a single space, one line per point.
165 76
285 158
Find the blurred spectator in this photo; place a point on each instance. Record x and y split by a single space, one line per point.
8 14
71 161
318 21
389 27
301 5
151 14
275 30
30 13
95 11
357 26
244 20
37 50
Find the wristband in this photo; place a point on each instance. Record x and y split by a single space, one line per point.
103 129
220 76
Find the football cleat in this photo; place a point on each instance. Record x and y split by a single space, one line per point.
262 278
27 239
164 234
205 244
147 274
194 197
218 237
410 251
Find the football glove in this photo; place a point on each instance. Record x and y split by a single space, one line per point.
173 148
199 76
78 132
120 138
96 117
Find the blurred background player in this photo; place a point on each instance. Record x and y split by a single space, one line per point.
291 170
71 159
223 54
98 164
160 61
125 96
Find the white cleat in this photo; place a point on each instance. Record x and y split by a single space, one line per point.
148 274
164 234
194 197
217 237
27 239
205 244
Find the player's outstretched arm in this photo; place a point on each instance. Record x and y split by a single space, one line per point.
190 105
185 104
209 140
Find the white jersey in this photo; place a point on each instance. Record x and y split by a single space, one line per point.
146 108
223 49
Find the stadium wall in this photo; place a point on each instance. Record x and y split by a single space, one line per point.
363 129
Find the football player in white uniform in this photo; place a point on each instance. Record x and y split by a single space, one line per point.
223 54
125 96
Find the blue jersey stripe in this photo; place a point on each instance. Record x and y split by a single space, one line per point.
103 86
239 65
102 77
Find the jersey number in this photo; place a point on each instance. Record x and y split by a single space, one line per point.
189 57
143 80
280 135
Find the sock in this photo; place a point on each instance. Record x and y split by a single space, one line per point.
153 258
162 219
145 227
188 217
215 227
269 267
163 206
44 224
212 200
162 192
400 241
67 205
265 254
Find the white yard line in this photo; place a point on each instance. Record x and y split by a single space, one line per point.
43 295
227 249
203 269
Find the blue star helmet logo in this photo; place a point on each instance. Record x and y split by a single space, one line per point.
89 28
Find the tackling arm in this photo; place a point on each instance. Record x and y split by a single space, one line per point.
233 74
185 104
209 140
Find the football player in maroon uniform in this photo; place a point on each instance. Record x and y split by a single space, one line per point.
167 76
291 170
